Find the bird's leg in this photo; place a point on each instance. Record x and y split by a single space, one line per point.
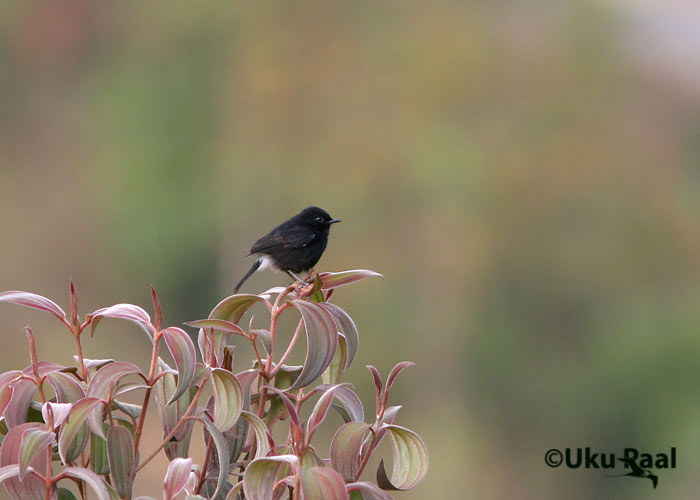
296 278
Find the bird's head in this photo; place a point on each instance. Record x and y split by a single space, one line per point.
317 217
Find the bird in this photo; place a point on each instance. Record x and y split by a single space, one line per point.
637 471
293 247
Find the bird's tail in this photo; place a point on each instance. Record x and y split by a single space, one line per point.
255 267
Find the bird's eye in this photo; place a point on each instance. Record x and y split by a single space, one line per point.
319 219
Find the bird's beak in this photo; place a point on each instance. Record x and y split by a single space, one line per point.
333 221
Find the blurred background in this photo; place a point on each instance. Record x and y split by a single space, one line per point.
525 174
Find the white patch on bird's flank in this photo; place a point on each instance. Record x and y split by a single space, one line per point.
266 262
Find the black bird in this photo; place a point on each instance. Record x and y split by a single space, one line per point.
637 471
294 246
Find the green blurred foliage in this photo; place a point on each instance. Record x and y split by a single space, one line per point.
529 193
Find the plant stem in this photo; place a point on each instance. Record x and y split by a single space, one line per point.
289 349
147 394
170 435
205 468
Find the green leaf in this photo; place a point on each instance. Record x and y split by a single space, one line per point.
90 478
322 483
346 447
66 494
99 462
228 398
332 374
321 340
219 325
321 410
102 385
120 452
262 474
176 477
182 350
335 280
233 308
410 460
70 440
170 414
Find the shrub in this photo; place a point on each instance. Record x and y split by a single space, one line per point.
72 422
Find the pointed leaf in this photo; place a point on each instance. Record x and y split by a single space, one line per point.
378 386
228 398
347 328
120 453
322 483
182 350
90 478
218 324
129 312
321 409
263 438
346 447
99 461
410 460
398 368
222 453
71 427
263 473
102 386
234 307
176 476
170 414
321 340
5 397
9 471
55 411
33 300
34 441
335 280
369 491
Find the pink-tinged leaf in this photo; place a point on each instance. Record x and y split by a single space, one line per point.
378 386
228 398
176 477
129 312
234 307
222 452
262 475
170 414
321 409
293 415
72 425
335 280
67 389
350 407
8 472
346 447
120 454
44 368
34 441
410 460
347 328
218 324
234 493
182 350
33 300
263 438
322 483
102 386
5 397
369 491
16 411
56 412
398 368
321 340
90 478
31 488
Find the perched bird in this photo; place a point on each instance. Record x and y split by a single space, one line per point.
294 246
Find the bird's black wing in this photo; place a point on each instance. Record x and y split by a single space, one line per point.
287 237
